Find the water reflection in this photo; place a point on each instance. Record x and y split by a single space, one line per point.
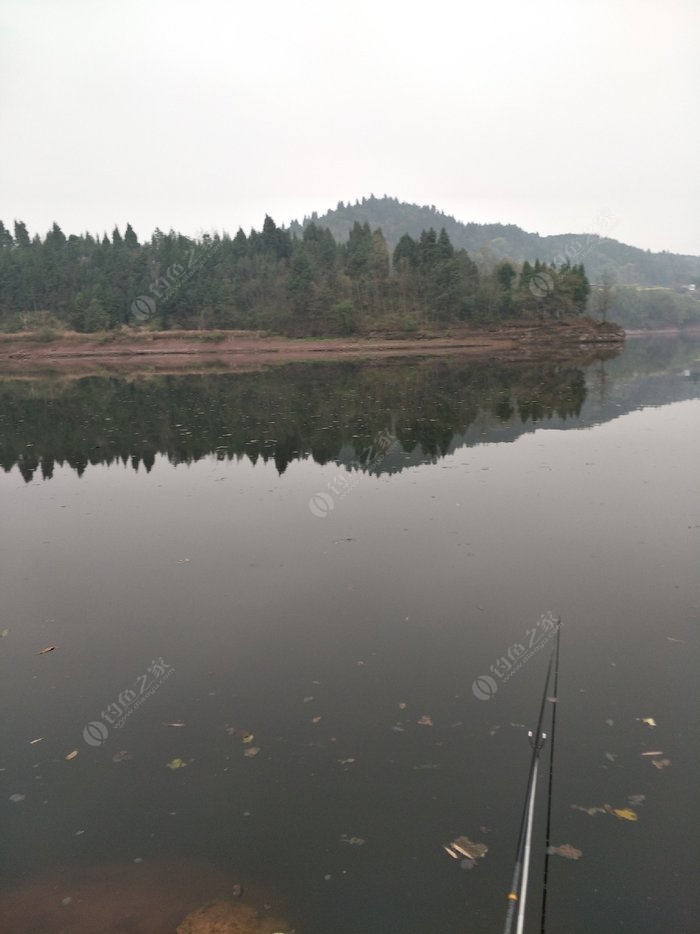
328 412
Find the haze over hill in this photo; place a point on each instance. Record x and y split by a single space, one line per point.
629 265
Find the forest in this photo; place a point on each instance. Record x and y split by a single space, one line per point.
273 280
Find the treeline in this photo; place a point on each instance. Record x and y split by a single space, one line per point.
270 280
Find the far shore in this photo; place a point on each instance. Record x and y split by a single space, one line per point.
176 351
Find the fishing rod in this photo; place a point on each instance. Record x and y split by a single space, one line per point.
517 895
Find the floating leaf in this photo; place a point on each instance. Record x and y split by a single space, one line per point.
251 752
47 649
661 763
610 756
648 720
248 737
121 756
4 633
346 761
610 722
402 706
231 730
636 799
565 850
425 720
72 755
353 841
16 798
177 764
622 813
590 811
315 719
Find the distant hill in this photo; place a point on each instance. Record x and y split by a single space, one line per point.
628 264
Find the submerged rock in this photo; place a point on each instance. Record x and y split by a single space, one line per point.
224 917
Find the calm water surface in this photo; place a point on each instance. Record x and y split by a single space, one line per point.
168 520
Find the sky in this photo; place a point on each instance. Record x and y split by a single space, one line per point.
207 116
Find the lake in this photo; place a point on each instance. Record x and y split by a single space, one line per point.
327 556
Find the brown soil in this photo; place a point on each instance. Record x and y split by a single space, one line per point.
186 351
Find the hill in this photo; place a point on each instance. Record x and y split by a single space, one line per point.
629 265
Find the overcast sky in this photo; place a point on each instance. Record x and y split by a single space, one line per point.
207 115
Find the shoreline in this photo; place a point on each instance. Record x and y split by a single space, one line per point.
176 351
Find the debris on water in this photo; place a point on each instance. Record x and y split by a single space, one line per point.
327 877
237 891
427 766
67 900
648 720
315 719
636 799
248 737
47 649
231 730
121 756
553 700
425 720
467 850
353 841
494 729
72 755
138 859
590 811
182 561
175 723
251 752
671 639
16 798
177 764
656 752
397 728
610 722
345 761
661 763
4 633
402 705
308 699
38 740
622 813
565 850
610 756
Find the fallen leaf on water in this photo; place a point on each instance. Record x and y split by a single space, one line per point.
657 752
315 719
183 561
636 799
565 850
622 813
610 756
553 700
49 648
402 706
467 850
425 720
648 720
16 798
231 730
175 723
398 729
353 841
661 763
72 755
590 811
177 764
248 737
610 722
121 756
4 633
345 761
252 752
308 699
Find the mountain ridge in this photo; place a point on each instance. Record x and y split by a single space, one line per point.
629 265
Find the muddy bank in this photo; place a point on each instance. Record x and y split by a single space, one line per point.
183 351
